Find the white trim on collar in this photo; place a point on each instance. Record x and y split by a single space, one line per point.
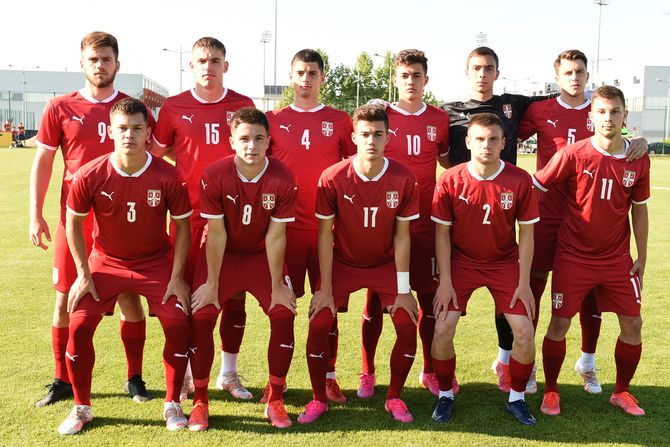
89 98
565 105
204 101
478 177
607 154
397 108
255 179
136 174
376 177
312 110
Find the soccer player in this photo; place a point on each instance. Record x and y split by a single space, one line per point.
130 193
77 123
593 252
194 129
247 199
308 137
365 205
482 200
419 135
558 122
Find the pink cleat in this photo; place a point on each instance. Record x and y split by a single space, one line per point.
333 391
276 412
502 371
429 380
398 410
313 411
367 387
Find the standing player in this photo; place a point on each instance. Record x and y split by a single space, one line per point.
558 122
365 205
308 137
419 135
77 123
194 128
130 194
482 200
247 200
593 251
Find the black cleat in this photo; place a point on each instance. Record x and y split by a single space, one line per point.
443 409
135 387
58 390
519 409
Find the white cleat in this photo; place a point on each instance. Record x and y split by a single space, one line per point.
174 416
79 416
231 382
591 382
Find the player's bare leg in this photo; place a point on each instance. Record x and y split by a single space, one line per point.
627 356
133 328
444 363
521 366
553 355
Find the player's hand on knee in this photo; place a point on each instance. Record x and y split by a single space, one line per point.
444 295
524 294
82 286
321 300
39 227
179 288
283 296
407 302
205 295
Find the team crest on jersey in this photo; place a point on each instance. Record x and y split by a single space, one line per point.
392 199
268 201
589 125
506 200
628 178
431 133
229 116
507 110
327 128
557 300
153 197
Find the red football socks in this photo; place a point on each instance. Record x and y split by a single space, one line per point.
626 358
80 356
318 356
233 320
175 355
444 371
280 350
59 337
426 328
402 356
519 374
133 334
371 328
553 354
590 321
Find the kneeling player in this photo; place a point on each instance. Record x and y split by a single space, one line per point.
130 193
594 243
247 200
371 200
482 200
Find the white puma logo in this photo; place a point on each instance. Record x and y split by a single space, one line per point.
232 199
81 120
320 356
409 356
193 350
394 131
553 123
282 345
71 357
590 174
350 199
332 333
188 118
366 318
108 195
183 356
204 185
286 128
238 326
465 199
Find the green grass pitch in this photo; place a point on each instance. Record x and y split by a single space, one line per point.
26 304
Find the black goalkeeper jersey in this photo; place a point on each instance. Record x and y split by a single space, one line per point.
509 108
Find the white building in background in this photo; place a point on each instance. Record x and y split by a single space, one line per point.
39 86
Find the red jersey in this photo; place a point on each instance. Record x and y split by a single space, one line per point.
416 141
309 141
557 124
248 205
130 210
78 124
365 210
483 212
199 132
600 189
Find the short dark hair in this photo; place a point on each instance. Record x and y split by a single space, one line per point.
570 55
308 55
210 42
409 57
249 115
608 92
486 120
130 106
371 113
483 51
100 39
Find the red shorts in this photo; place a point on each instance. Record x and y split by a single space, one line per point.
302 258
422 264
64 270
197 228
347 279
616 290
111 280
240 272
545 235
501 282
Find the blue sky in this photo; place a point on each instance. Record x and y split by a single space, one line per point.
526 34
